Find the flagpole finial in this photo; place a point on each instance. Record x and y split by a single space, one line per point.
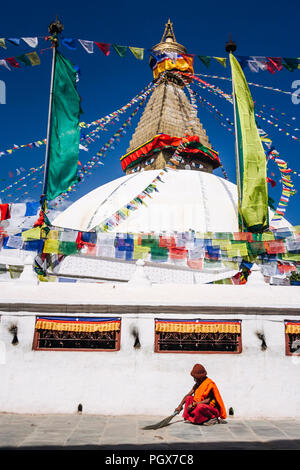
55 28
230 45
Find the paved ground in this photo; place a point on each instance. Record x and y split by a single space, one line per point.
111 433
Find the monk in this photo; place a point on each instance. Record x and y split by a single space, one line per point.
203 403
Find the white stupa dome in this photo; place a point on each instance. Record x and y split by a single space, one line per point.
186 200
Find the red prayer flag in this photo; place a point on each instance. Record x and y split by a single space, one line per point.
178 252
273 183
105 48
4 212
12 61
273 64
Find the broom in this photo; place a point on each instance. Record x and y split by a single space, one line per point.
162 423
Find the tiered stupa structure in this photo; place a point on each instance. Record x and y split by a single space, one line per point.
188 199
168 116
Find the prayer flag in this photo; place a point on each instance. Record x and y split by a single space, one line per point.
23 58
251 160
2 43
15 41
138 52
274 64
205 60
34 58
12 61
221 60
4 63
257 62
120 50
32 42
65 133
69 43
290 64
105 48
88 46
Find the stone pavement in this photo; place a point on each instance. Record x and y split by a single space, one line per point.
111 433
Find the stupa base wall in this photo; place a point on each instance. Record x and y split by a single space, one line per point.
254 383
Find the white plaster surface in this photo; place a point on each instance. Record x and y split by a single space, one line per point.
265 295
255 383
186 200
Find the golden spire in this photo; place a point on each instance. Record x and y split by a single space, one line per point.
168 41
168 35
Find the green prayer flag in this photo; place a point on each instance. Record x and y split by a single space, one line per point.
65 133
23 58
2 43
159 253
290 63
205 60
138 52
68 248
251 159
120 50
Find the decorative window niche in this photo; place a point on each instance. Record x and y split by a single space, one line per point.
77 333
292 338
198 336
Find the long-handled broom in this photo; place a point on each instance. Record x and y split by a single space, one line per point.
162 423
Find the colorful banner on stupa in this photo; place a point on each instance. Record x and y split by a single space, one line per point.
251 160
191 146
171 61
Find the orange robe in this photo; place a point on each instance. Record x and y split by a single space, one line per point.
203 391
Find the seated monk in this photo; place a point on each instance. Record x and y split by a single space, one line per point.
203 404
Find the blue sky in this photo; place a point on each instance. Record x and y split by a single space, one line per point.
107 83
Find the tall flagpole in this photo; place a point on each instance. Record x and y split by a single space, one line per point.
231 47
54 29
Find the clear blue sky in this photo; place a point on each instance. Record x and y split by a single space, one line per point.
107 83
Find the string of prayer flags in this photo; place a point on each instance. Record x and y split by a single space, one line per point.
28 59
278 251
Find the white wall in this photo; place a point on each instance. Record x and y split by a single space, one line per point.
254 383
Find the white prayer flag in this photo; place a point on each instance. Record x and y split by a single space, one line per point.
17 210
15 242
4 63
87 45
32 42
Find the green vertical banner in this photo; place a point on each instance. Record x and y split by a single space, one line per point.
65 132
251 165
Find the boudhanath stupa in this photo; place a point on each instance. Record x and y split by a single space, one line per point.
143 321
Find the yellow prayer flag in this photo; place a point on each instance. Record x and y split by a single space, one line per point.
51 246
140 252
237 249
138 52
32 234
34 58
267 236
223 244
53 235
221 60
